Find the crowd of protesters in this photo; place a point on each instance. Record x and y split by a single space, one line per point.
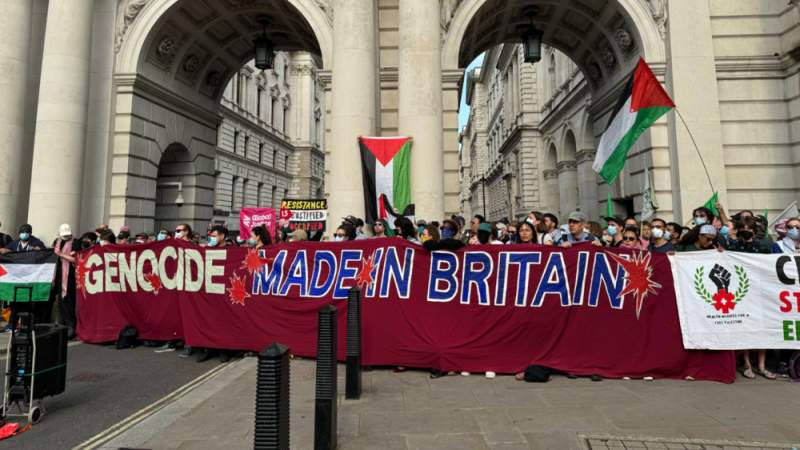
707 230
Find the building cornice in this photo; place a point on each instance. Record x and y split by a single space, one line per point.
137 84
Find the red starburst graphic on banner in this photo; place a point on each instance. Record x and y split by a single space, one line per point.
724 301
365 278
80 272
254 263
154 281
638 277
2 271
237 292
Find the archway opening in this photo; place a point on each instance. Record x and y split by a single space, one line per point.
185 81
175 188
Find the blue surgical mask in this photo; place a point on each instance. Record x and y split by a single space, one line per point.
239 240
24 236
699 220
667 235
161 236
251 242
212 241
724 230
447 233
612 230
794 234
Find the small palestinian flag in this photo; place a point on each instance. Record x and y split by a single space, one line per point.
27 276
386 168
643 102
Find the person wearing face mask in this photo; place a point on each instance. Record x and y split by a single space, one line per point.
746 240
216 236
791 241
702 216
26 241
449 229
259 237
183 232
660 237
63 292
345 232
163 234
106 237
511 230
614 230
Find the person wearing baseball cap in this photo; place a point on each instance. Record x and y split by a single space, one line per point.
576 225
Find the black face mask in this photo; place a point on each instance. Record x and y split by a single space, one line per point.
746 235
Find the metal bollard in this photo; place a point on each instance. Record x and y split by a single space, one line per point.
272 399
353 368
325 411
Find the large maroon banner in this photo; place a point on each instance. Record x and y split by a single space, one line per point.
501 308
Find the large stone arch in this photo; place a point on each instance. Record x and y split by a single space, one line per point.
648 39
174 60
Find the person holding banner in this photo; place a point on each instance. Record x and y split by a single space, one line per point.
630 239
259 237
746 242
660 237
183 232
526 233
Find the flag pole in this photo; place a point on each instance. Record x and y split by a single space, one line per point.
697 149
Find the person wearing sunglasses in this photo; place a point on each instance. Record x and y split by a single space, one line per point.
183 232
630 239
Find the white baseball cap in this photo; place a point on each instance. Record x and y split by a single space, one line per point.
64 230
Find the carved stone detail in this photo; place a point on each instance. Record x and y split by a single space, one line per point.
327 7
566 166
550 174
607 56
126 16
658 9
586 155
166 50
302 69
623 39
191 64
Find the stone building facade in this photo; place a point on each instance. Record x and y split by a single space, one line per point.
105 100
269 145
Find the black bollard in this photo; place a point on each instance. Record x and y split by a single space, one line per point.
325 412
353 368
272 399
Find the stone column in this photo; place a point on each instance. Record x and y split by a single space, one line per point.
551 201
692 82
15 33
61 120
420 103
567 186
354 105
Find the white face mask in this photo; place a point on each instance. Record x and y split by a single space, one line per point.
337 239
657 233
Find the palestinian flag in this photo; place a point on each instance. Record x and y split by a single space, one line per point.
386 169
27 276
643 102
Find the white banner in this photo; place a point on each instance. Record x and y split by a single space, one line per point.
737 301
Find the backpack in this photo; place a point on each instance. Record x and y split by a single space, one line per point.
538 374
128 337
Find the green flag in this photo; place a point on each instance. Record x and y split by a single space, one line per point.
609 206
712 204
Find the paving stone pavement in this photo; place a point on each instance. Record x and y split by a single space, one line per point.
411 411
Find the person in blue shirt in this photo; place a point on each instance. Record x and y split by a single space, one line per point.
26 241
577 232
